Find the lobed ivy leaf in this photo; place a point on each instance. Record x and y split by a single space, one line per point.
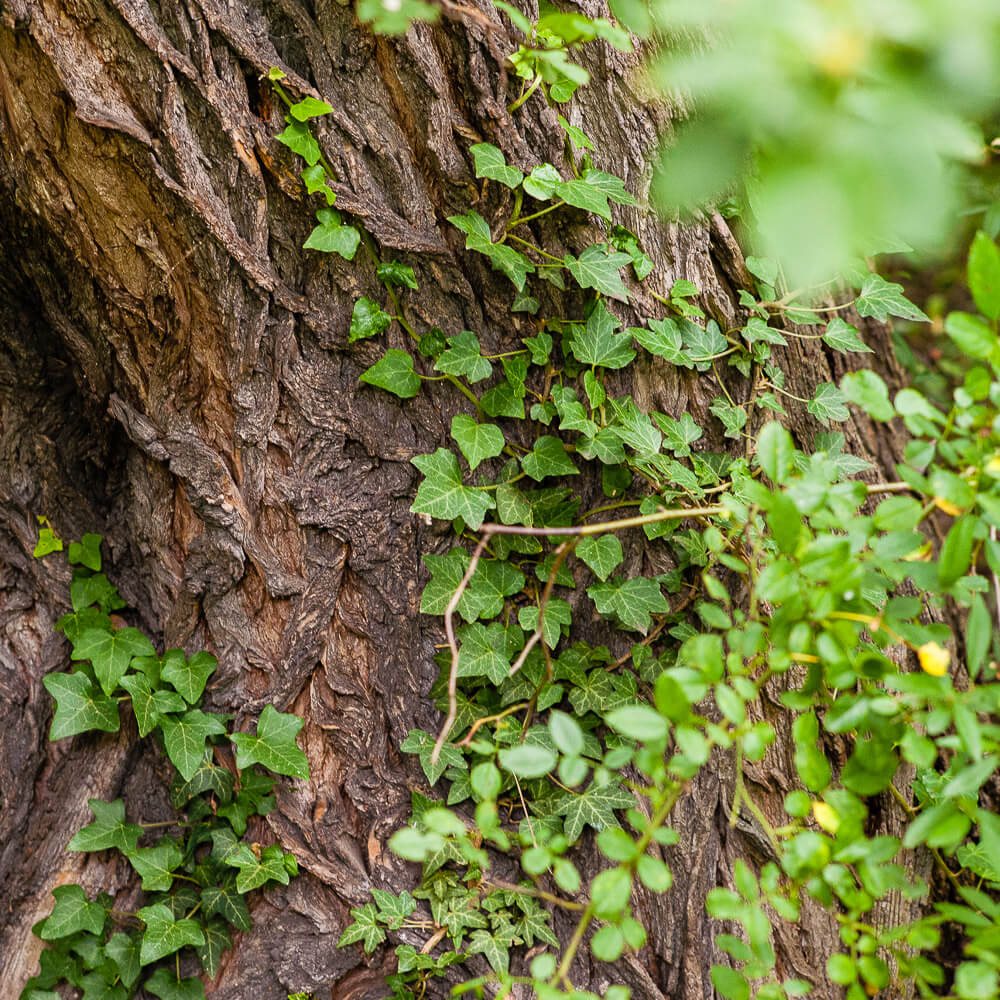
464 357
164 984
392 272
594 807
185 735
217 940
111 653
598 269
228 903
881 299
86 552
80 706
300 140
332 236
364 929
123 950
482 652
828 404
394 373
188 677
515 265
148 705
631 601
155 865
602 553
491 164
442 493
109 829
548 458
597 344
841 336
73 912
420 743
255 871
274 745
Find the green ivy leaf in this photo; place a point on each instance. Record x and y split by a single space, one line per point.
185 737
309 107
156 864
253 871
73 912
842 336
80 706
486 944
867 390
47 542
483 652
86 552
464 357
332 236
442 493
274 745
225 901
111 653
148 705
446 575
420 743
368 319
217 940
123 950
491 164
515 265
392 272
300 141
597 344
164 984
984 275
733 418
602 553
97 987
594 807
662 338
548 458
315 180
631 601
394 373
596 268
557 613
365 929
188 677
882 299
828 404
109 829
541 183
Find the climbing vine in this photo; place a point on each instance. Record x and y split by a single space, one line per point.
196 867
789 576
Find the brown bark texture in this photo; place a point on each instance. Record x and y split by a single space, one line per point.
175 374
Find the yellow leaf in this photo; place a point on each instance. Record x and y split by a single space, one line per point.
826 817
934 659
947 506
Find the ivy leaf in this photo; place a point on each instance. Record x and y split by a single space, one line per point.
580 194
253 871
662 338
491 163
208 778
164 984
881 299
602 553
464 357
123 950
867 390
503 258
393 909
73 912
225 901
393 273
597 344
493 582
611 186
535 924
420 743
109 829
486 944
680 434
368 319
274 745
541 183
482 652
442 493
842 336
217 940
757 331
96 987
188 677
300 141
365 929
635 429
828 403
734 418
548 458
598 269
557 613
148 705
185 737
394 373
446 574
703 343
93 589
477 441
631 601
156 864
576 136
80 706
111 653
595 807
309 107
86 552
332 236
48 541
314 178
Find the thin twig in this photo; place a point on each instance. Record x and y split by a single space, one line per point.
561 552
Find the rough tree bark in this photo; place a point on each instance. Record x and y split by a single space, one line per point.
174 374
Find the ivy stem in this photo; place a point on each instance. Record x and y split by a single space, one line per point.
573 946
530 218
489 718
534 86
539 250
525 890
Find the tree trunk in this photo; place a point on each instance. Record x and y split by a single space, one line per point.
175 374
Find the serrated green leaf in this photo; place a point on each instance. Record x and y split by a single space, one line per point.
274 745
